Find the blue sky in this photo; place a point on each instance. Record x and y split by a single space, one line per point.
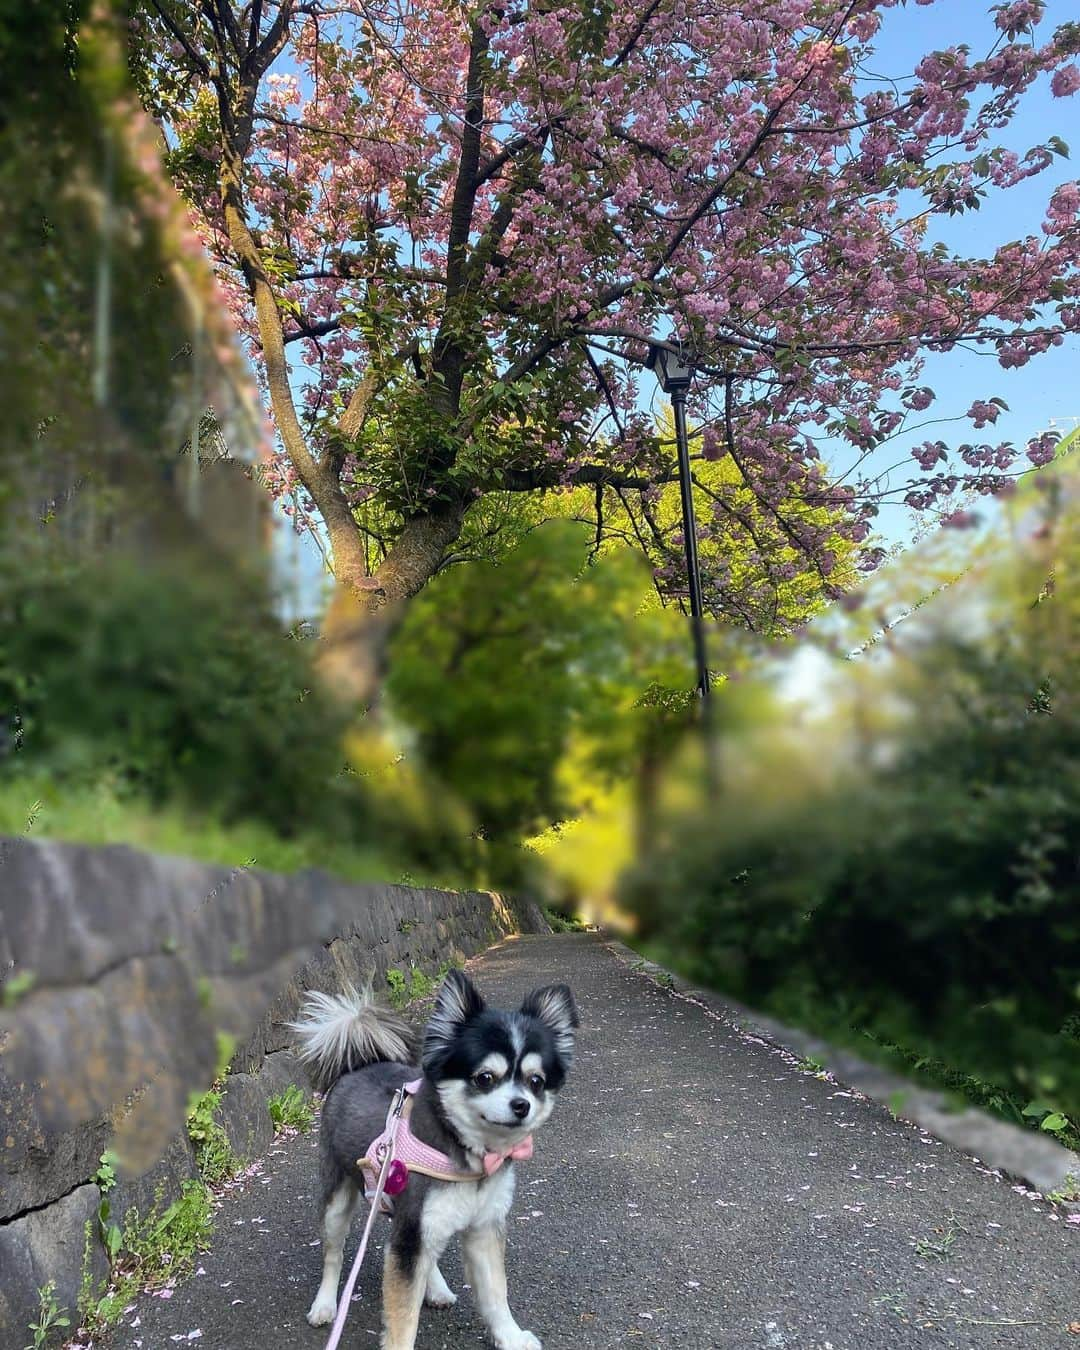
1045 391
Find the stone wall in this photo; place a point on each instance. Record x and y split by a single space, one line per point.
119 970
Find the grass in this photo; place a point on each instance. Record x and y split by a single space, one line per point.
35 806
291 1110
96 815
939 1246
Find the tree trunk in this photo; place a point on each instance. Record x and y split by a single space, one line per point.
362 616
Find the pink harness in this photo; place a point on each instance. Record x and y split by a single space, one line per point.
386 1166
412 1154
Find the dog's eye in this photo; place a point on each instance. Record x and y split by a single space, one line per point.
484 1080
536 1083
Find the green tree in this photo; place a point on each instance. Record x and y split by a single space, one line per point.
499 669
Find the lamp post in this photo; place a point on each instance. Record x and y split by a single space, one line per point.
675 373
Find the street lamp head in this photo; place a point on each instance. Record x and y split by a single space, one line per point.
672 368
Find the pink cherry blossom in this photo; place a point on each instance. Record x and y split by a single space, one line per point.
479 217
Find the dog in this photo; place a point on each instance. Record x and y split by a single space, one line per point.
487 1080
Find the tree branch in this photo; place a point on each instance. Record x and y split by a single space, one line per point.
193 54
322 485
464 200
542 479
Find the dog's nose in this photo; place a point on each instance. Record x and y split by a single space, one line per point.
520 1107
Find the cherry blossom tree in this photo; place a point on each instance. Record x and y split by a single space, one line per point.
449 231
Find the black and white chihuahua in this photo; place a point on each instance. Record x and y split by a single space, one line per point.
488 1080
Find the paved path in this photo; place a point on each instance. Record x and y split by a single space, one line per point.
692 1190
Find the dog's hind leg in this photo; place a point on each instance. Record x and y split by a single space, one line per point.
405 1278
337 1217
438 1293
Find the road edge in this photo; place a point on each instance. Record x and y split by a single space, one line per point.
1042 1164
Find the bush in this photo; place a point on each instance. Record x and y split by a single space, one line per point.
929 911
173 687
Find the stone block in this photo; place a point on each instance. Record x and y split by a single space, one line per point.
281 1071
245 1117
39 1164
48 1244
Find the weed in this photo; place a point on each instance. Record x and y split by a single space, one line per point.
898 1104
940 1246
968 1087
105 1179
161 1247
16 988
50 1316
406 989
422 985
1052 1121
399 993
213 1153
1069 1192
895 1302
88 1295
811 1064
226 1048
291 1110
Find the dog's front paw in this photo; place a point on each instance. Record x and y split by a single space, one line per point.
322 1312
517 1340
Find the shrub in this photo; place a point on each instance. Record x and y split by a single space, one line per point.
929 911
174 686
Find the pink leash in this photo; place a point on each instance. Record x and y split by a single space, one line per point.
350 1284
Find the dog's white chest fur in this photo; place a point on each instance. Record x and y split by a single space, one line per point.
455 1206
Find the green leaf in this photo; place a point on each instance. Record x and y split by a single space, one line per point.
1055 1121
17 987
166 1219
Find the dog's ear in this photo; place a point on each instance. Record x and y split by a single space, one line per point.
457 1001
555 1007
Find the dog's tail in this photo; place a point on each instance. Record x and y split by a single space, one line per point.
337 1033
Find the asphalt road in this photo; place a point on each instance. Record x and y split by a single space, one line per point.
693 1189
